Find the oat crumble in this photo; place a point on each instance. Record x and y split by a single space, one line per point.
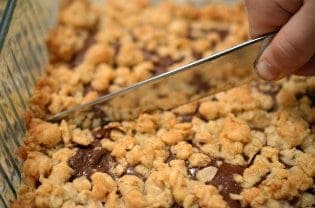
251 146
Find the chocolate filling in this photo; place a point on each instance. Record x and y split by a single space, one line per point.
132 171
102 133
88 160
149 55
161 63
201 85
105 132
252 160
225 182
98 113
201 117
196 55
255 128
170 157
294 200
79 56
267 88
116 46
37 183
87 88
223 33
261 180
91 159
286 165
270 89
311 95
192 172
176 205
186 118
311 191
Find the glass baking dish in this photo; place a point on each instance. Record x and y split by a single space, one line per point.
23 55
22 59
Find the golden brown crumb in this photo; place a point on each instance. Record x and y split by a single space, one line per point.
250 146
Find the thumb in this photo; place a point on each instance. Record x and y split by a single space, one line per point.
308 69
292 47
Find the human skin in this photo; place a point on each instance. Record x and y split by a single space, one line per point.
292 50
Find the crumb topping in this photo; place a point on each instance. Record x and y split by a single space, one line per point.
250 146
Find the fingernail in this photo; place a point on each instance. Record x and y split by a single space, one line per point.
265 71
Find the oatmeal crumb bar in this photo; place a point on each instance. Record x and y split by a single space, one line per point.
251 146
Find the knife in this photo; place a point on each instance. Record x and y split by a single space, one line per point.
218 72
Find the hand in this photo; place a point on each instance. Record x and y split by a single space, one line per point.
292 51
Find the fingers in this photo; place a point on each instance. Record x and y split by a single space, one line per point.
292 47
269 16
290 5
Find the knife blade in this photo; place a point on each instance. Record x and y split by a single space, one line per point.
218 72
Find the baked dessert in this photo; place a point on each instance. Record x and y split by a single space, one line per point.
251 146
